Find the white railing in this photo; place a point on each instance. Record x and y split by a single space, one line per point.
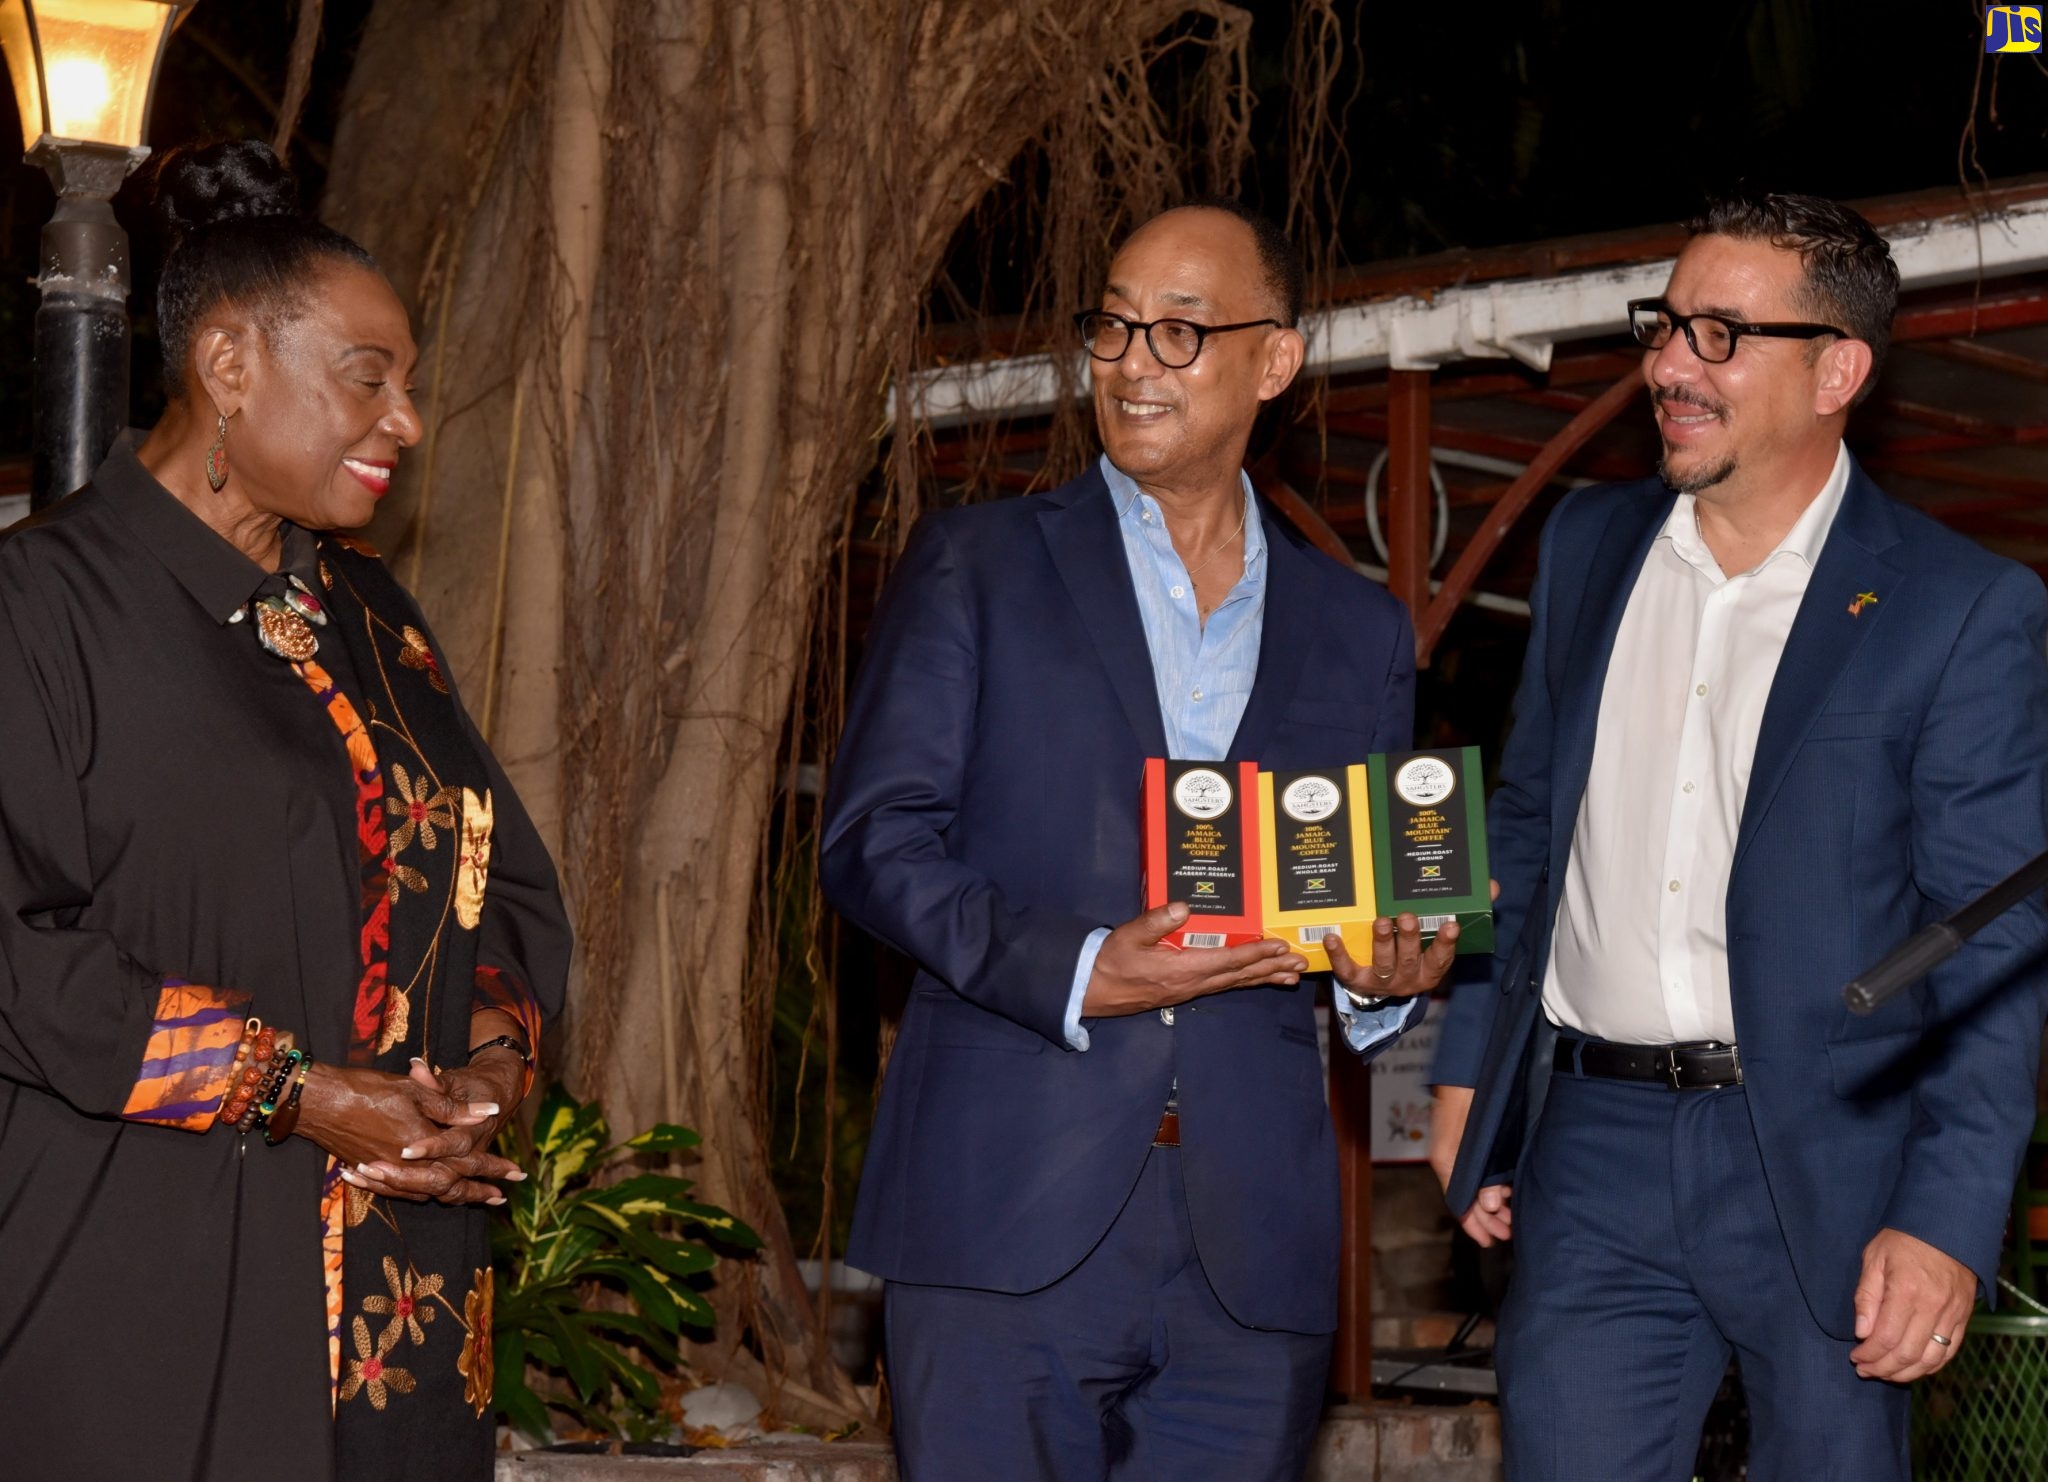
1521 319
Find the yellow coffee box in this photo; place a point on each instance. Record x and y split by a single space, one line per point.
1315 831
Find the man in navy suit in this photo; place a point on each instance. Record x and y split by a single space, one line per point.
1102 1183
1771 723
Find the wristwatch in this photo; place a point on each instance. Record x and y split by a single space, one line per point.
517 1047
1368 1002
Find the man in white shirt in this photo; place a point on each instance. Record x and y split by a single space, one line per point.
1770 723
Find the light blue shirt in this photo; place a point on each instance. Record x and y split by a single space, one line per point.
1204 673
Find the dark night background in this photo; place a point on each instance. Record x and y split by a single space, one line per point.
1473 125
1468 125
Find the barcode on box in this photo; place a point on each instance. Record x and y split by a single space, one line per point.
1203 939
1432 923
1312 936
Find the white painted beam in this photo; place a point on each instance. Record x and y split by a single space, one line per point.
1521 319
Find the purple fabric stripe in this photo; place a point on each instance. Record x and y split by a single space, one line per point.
177 1111
215 1015
206 1059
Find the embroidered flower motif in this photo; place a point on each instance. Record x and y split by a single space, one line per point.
419 807
404 876
356 1205
416 655
368 1371
473 865
408 1305
397 1022
478 1365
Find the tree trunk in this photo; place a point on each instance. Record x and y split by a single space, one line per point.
662 255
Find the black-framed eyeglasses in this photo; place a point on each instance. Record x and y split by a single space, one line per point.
1712 337
1174 343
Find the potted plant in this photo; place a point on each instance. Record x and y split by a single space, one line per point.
572 1232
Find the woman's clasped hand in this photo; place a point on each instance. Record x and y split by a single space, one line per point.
420 1136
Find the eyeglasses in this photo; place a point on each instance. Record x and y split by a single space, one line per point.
1174 343
1712 337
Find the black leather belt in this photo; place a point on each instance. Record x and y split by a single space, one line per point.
1696 1067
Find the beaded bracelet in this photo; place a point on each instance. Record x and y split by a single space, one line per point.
286 1119
257 1118
279 1121
245 1074
264 1078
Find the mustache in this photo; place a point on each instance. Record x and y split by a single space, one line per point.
1667 395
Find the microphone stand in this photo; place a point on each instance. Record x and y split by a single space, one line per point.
1933 945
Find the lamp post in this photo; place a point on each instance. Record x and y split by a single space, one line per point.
83 72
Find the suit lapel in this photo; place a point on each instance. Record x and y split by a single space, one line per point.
1285 637
1088 550
1825 636
1607 582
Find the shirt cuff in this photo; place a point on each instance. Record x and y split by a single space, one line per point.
1366 1028
1084 969
188 1064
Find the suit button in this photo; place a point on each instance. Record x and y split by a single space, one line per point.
1166 1016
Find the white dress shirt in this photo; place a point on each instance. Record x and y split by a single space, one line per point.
1640 951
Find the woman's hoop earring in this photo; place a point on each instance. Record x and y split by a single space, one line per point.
217 459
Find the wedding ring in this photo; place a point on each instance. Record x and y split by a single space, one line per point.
1939 1339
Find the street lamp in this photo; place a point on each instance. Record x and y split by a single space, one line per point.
84 72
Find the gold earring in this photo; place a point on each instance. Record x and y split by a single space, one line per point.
217 459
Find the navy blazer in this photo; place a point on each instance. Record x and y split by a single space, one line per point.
984 817
1901 768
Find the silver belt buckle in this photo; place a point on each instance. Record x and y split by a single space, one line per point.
1670 1069
1734 1077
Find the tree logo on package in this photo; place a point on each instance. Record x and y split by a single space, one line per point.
1202 794
1425 781
1311 799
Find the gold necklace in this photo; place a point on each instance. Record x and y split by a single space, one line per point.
1233 535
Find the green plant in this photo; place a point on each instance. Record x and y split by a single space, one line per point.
568 1235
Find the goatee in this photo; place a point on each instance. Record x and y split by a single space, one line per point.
1693 480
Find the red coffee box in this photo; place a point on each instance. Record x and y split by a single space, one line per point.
1202 848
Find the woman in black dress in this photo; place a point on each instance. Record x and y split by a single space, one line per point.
276 939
